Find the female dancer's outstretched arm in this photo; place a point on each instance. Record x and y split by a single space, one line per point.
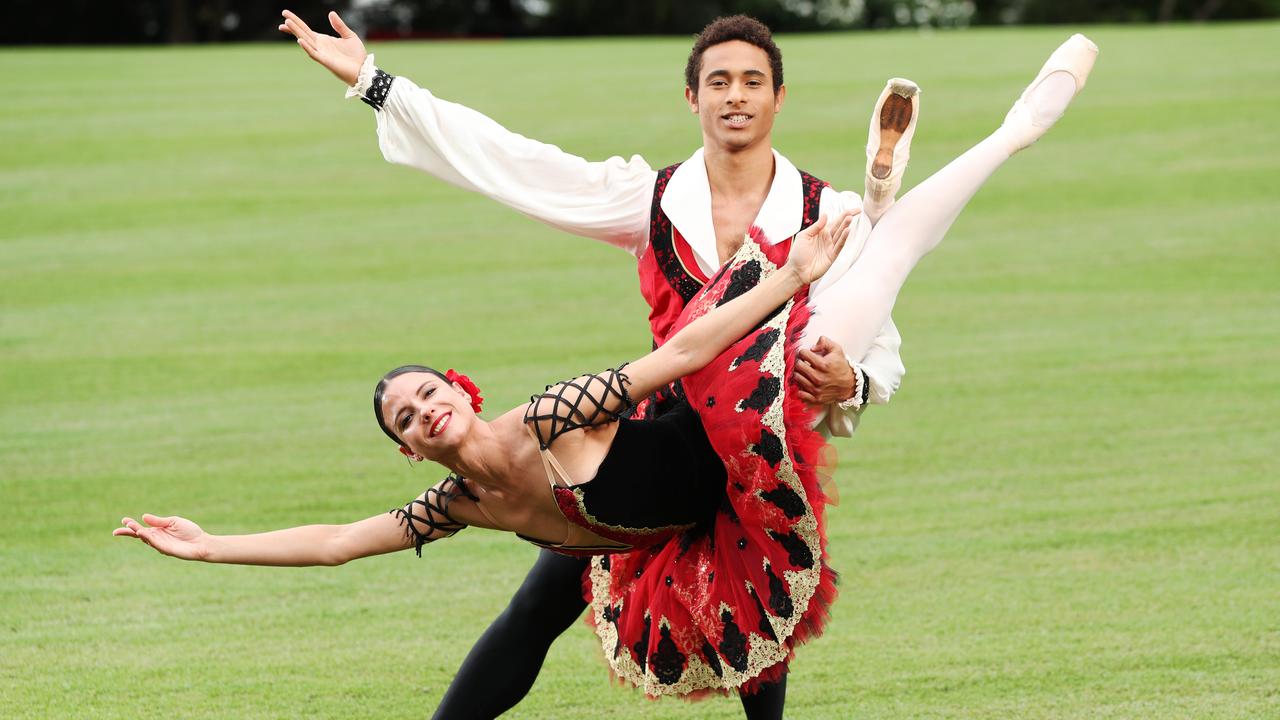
292 547
439 512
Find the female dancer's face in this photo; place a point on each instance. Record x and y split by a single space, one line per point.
735 102
428 413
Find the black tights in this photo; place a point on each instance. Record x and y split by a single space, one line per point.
503 664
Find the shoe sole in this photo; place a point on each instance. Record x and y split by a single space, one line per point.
895 117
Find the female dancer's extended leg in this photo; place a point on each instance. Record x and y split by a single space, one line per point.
919 220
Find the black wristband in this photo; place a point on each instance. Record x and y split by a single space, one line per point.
379 87
861 390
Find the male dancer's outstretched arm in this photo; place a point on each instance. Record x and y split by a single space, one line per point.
608 201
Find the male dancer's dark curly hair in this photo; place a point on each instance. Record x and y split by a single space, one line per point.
726 29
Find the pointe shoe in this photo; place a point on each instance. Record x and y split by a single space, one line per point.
893 123
1029 119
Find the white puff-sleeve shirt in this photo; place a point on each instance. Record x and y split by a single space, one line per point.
609 200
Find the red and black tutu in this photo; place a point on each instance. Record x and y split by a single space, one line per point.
721 605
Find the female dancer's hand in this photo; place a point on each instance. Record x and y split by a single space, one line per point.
342 55
816 247
174 536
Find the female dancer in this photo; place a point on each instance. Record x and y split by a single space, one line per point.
708 520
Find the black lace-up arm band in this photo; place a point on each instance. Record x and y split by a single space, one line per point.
427 519
583 402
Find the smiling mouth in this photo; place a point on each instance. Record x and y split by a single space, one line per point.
440 424
736 120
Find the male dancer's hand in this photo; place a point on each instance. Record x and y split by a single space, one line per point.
822 375
342 55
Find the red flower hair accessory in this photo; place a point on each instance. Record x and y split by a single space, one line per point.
456 377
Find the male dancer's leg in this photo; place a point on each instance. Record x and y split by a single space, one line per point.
502 666
916 223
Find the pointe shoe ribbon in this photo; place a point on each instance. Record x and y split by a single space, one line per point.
893 124
1030 116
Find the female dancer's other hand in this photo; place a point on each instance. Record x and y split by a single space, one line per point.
342 55
816 247
174 536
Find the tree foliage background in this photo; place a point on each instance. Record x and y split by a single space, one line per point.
185 21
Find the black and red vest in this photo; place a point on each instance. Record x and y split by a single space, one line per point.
670 276
669 272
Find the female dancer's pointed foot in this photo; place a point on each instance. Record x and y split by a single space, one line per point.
893 124
1047 97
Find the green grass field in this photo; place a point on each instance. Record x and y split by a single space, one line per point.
1070 510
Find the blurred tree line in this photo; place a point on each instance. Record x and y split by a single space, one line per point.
187 21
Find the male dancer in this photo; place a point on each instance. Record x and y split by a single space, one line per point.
681 222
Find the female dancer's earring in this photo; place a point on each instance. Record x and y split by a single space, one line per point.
411 455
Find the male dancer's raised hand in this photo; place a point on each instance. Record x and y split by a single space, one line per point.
342 55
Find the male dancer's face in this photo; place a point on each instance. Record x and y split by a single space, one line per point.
735 102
